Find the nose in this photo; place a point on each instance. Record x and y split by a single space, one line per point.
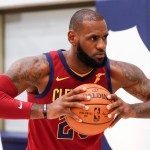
101 44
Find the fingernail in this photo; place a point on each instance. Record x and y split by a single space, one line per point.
84 88
86 107
88 97
108 107
80 120
109 115
108 96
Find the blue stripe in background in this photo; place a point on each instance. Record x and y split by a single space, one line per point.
125 14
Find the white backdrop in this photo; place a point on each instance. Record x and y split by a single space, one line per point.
129 134
37 32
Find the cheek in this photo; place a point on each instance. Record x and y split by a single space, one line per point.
88 46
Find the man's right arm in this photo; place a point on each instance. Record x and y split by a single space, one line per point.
27 73
10 108
20 76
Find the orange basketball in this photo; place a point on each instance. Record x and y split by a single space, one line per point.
95 119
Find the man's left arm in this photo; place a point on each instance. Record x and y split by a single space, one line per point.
138 85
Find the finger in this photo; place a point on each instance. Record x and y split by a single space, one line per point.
114 105
79 97
117 111
117 118
77 105
72 115
112 96
77 90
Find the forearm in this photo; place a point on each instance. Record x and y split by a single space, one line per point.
11 108
142 110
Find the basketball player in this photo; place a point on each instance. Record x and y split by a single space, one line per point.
51 79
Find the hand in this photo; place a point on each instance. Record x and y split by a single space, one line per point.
119 109
62 105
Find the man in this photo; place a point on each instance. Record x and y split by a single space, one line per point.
51 79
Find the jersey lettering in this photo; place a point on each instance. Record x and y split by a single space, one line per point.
57 92
65 132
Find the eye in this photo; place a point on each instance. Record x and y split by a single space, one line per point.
94 38
105 37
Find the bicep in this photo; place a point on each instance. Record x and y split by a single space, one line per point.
138 84
140 90
29 72
132 79
17 75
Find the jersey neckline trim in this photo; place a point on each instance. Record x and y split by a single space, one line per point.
63 60
51 78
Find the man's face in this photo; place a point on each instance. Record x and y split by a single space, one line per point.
92 41
89 61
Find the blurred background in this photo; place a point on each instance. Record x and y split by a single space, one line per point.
32 27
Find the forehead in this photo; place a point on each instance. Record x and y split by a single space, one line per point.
94 27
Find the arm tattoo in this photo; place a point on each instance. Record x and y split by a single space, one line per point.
136 83
28 71
33 74
128 71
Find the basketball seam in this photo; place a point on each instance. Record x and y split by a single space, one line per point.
97 124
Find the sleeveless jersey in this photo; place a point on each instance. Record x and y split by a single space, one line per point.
55 134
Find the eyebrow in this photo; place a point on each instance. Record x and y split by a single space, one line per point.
106 34
93 34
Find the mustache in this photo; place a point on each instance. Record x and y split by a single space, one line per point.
100 52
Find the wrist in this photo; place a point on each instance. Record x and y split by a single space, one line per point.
133 113
37 111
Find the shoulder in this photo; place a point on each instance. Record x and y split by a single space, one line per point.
124 67
29 66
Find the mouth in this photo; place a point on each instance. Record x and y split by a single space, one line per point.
100 55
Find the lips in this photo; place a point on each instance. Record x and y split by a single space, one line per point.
100 55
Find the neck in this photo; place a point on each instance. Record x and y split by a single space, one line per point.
75 64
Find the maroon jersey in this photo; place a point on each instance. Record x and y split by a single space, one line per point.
55 134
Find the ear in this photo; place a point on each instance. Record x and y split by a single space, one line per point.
72 37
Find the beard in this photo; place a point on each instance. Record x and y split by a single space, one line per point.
87 60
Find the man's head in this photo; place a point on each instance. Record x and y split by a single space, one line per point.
87 34
83 15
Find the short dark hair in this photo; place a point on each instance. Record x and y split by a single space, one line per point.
83 15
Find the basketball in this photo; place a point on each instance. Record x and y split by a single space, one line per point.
94 120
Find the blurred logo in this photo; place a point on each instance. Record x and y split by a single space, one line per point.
60 79
98 76
20 107
96 114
